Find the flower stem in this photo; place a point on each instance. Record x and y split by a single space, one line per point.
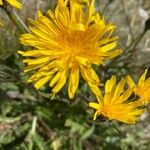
16 19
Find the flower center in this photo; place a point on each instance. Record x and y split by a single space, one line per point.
76 44
143 92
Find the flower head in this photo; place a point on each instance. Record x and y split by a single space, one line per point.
116 105
66 44
142 89
13 3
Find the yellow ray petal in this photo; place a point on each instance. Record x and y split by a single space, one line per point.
55 79
15 3
94 105
95 89
1 2
130 81
142 79
41 82
73 82
60 83
36 61
119 88
110 84
125 95
108 47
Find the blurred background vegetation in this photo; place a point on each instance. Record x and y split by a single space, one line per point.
30 120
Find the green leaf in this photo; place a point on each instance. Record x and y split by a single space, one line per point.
43 112
75 127
6 137
88 133
38 141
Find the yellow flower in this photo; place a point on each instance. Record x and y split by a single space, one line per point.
13 3
116 105
66 43
142 89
